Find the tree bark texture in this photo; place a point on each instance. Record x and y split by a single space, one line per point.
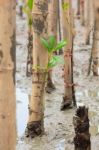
35 124
95 48
68 56
7 75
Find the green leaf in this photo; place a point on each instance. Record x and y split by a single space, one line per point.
30 4
30 21
65 6
45 43
51 42
60 45
28 7
26 10
54 61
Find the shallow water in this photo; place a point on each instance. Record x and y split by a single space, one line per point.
61 145
22 111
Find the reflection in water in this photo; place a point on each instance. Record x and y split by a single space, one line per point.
60 145
22 111
88 93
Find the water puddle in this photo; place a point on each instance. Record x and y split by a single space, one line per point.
79 94
22 111
61 145
88 93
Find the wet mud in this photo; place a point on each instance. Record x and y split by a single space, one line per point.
59 129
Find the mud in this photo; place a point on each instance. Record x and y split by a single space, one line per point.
59 130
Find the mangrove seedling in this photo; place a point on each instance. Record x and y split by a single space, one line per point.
51 46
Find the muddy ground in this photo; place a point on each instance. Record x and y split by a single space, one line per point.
59 131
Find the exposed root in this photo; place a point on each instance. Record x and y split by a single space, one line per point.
66 104
34 129
50 87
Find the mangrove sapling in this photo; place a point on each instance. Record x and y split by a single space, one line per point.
95 46
52 30
52 46
35 125
68 32
28 10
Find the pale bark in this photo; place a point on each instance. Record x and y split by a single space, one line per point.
7 75
52 18
68 51
35 124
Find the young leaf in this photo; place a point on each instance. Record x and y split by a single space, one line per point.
51 42
26 10
54 61
46 44
30 4
65 6
60 45
30 21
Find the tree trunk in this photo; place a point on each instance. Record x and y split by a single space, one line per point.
60 32
52 30
29 45
50 85
78 8
35 124
81 125
95 49
82 12
7 75
68 56
29 55
88 19
52 19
